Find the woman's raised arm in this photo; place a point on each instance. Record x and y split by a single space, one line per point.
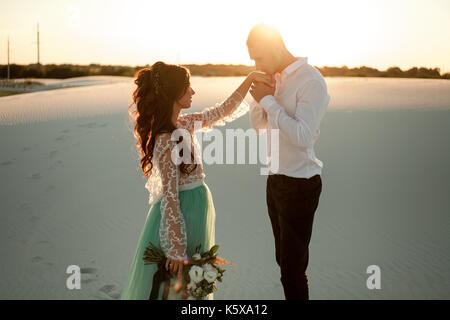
230 109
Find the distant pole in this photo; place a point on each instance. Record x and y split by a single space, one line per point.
38 60
8 60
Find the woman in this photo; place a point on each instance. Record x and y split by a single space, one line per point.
181 214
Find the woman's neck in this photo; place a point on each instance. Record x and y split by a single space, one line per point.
176 113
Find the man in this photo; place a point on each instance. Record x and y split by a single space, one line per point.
295 106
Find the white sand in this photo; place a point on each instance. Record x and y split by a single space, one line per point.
53 84
72 193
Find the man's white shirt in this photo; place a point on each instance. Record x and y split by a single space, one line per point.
296 109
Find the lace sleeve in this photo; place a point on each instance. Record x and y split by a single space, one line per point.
172 231
230 109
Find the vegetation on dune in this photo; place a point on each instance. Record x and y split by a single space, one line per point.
63 71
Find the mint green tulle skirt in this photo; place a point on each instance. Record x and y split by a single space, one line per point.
197 208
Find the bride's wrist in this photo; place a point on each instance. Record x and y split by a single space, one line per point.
251 76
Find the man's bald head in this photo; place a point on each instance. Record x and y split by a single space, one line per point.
263 34
266 47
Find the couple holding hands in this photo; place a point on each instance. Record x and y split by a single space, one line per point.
290 96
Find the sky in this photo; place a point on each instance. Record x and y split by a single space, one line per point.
376 33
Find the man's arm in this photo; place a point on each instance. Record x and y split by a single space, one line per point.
311 106
258 116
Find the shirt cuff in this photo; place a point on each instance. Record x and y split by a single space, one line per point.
268 103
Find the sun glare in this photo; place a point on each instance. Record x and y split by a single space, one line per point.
378 33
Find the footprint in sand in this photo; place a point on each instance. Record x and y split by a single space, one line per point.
35 219
25 207
91 125
88 274
65 131
111 290
44 243
26 148
53 154
55 164
35 177
51 188
6 163
38 259
13 238
62 138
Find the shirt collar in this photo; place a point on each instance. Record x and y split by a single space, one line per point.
295 65
299 61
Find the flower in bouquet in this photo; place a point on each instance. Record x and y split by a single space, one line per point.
211 275
196 274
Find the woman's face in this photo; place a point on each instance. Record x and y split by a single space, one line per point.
186 100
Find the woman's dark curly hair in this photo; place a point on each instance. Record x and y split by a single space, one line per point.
158 88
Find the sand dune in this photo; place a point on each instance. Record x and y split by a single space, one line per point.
72 193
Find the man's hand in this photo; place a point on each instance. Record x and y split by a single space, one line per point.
259 90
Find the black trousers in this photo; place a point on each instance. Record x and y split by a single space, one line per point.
291 203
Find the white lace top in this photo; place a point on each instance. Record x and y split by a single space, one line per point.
166 180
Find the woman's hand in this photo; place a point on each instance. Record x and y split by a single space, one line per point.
257 76
175 266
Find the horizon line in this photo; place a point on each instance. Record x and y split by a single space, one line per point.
226 64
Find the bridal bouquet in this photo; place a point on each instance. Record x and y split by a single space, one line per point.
200 272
